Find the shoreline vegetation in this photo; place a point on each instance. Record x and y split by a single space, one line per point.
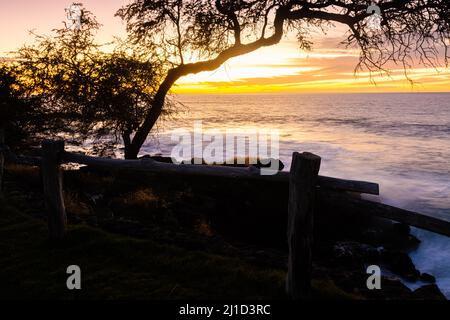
189 237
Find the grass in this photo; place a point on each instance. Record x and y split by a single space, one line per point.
118 267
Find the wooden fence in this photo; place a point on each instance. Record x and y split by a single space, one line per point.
304 180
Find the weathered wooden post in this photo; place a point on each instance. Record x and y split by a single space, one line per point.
302 188
53 188
2 157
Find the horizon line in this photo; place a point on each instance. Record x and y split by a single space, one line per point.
312 92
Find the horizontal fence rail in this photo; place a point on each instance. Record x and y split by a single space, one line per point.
419 220
19 159
150 165
415 219
154 166
305 188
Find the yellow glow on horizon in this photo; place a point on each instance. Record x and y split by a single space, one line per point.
285 68
422 82
329 67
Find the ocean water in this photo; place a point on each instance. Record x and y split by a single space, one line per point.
399 140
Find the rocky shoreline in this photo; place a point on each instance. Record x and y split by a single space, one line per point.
246 220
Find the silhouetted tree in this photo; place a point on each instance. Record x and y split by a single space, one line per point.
92 94
20 114
192 36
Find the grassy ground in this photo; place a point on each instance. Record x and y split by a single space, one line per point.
118 267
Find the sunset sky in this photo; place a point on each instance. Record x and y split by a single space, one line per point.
282 68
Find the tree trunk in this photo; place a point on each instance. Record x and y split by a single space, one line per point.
126 144
141 135
193 68
151 119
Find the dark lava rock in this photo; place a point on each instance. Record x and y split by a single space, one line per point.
400 263
399 237
427 277
394 236
428 292
354 254
391 289
402 229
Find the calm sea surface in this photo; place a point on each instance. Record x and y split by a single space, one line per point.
401 141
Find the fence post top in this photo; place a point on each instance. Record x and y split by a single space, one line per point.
305 155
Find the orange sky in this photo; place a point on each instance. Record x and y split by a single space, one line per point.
282 68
